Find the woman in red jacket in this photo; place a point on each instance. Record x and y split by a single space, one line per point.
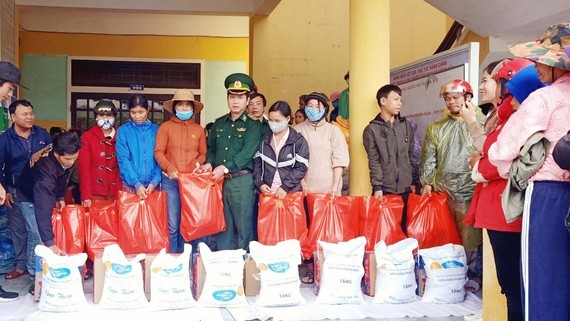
486 210
98 169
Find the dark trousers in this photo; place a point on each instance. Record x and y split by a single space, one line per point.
547 255
507 251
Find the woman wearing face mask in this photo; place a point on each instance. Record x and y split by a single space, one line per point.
98 169
283 156
327 146
180 148
139 170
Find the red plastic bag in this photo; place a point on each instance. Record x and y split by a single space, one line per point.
101 226
69 228
143 224
281 220
202 206
333 218
430 221
381 220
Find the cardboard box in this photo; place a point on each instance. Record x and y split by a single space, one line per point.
198 275
251 283
39 277
368 284
99 276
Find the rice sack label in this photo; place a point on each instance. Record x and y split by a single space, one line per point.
170 281
279 272
223 286
446 270
62 288
395 267
342 272
123 288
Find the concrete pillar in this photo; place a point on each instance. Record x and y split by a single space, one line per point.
369 49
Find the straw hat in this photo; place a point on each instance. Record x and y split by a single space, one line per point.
181 95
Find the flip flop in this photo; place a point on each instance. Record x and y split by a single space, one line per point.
309 277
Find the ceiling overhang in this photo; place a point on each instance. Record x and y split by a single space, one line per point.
505 19
195 7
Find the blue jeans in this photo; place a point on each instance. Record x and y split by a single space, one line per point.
173 205
29 214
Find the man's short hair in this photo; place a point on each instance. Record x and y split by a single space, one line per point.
66 143
23 102
256 94
385 90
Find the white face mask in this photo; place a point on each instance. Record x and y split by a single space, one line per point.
106 123
277 127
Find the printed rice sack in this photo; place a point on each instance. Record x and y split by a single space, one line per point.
170 281
446 270
395 277
223 286
342 272
123 288
278 272
62 284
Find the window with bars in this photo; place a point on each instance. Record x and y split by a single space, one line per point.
116 74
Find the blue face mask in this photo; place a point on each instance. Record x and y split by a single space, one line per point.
184 115
314 114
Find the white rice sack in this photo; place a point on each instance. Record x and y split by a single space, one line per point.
62 287
342 272
170 281
446 270
223 286
395 277
123 288
278 272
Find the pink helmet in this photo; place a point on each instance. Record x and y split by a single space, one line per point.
506 69
456 86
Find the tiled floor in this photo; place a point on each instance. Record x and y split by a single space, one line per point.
22 284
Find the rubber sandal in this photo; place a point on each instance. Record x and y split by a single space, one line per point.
309 277
14 274
472 286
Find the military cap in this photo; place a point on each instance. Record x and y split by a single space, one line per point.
105 107
239 83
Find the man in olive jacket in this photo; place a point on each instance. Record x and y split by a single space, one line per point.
389 142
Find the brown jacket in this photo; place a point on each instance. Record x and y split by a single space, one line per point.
179 145
390 149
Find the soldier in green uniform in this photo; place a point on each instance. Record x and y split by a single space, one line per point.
232 142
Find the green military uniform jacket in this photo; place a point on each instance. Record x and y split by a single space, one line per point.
233 143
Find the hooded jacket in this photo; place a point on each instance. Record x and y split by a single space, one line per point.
135 154
390 149
292 163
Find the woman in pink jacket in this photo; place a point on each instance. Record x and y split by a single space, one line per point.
545 240
486 210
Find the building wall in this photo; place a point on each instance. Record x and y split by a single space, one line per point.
222 56
303 45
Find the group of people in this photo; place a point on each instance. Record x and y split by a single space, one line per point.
483 159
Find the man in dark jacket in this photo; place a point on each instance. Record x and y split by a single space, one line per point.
389 142
45 181
17 145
